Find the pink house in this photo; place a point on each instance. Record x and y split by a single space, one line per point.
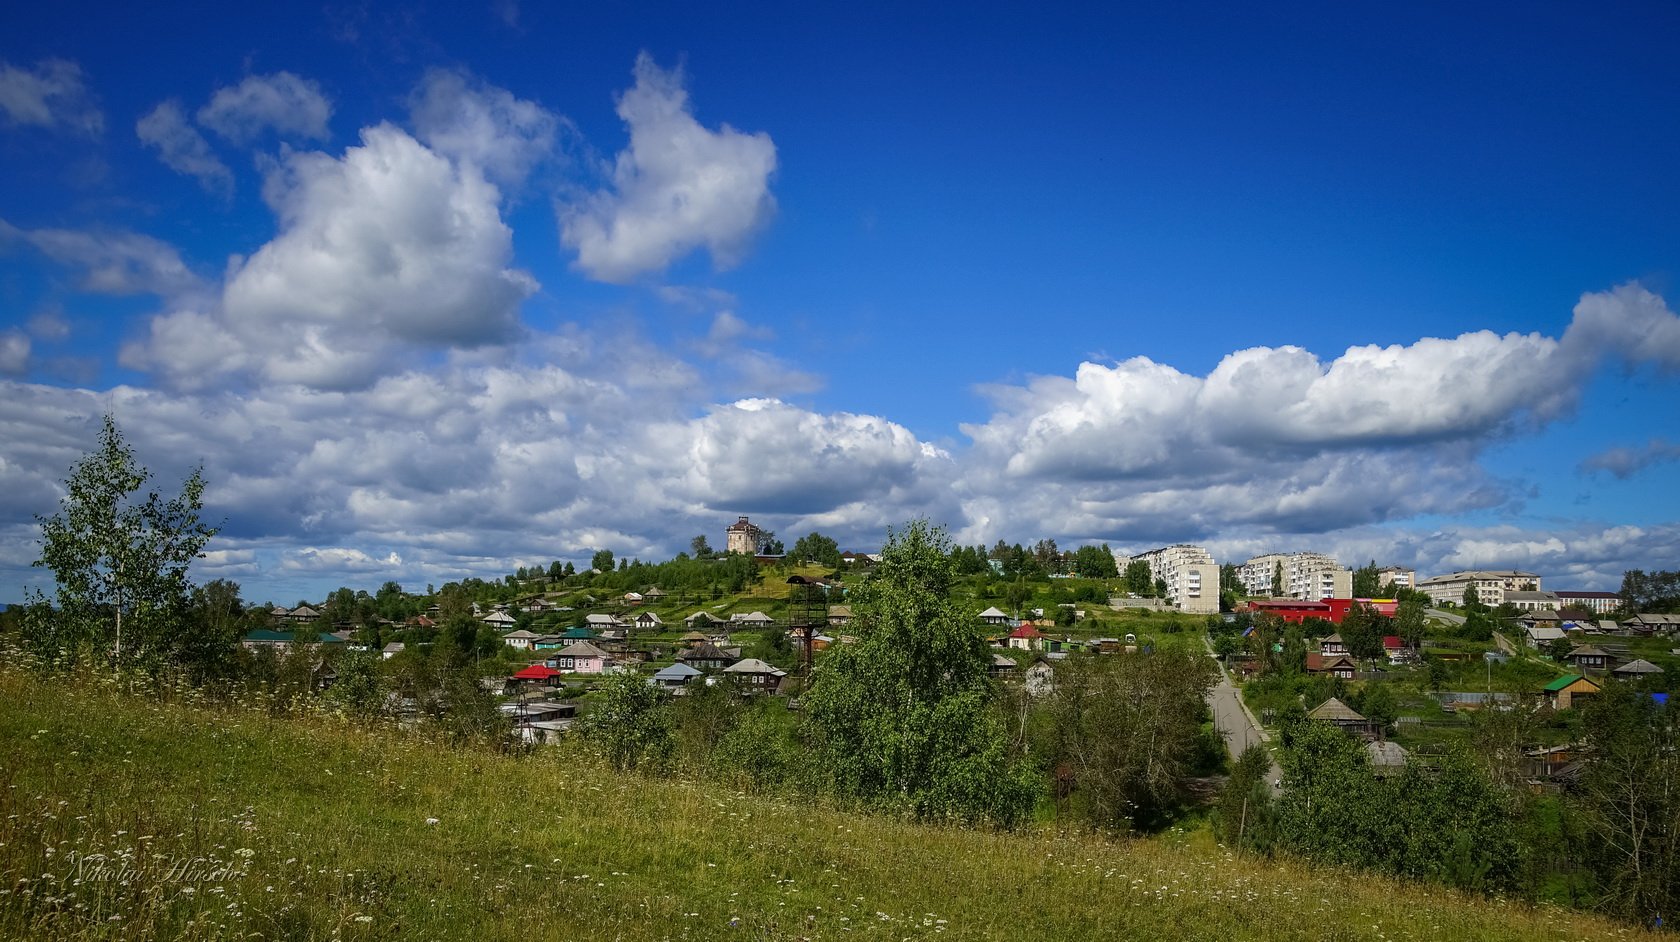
580 658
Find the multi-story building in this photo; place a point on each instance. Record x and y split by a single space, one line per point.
1599 603
1397 576
1302 576
1533 601
743 536
1191 575
1491 585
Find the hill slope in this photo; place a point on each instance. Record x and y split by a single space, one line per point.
217 822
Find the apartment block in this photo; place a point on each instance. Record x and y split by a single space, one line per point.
1191 575
1310 576
1491 585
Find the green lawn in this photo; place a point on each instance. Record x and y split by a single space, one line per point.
190 820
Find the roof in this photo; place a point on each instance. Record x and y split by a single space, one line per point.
694 636
999 660
1026 631
752 665
705 652
498 618
1392 642
649 616
394 647
1335 711
1335 638
1587 650
577 633
1565 681
580 649
520 635
1640 666
678 671
1546 633
600 619
1324 662
285 637
993 613
1385 754
535 672
755 617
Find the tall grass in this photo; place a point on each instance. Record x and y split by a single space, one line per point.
147 817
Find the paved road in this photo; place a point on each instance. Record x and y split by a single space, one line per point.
1236 726
1447 617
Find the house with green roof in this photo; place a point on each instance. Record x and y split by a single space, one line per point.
1565 692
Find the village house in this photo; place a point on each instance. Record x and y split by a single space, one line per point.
674 678
1587 658
1336 665
754 676
1337 713
520 640
647 621
1026 638
580 657
839 616
536 675
751 620
706 657
1570 690
269 638
1333 645
1636 670
1039 679
992 616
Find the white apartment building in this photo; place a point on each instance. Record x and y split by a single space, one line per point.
1401 578
1491 585
1305 576
1599 603
1191 575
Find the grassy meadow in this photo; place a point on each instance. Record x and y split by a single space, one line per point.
129 817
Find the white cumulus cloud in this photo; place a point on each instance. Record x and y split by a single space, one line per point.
292 106
676 188
51 95
461 116
182 148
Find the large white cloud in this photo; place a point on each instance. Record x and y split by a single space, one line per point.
389 249
110 261
1276 440
293 107
182 148
51 95
464 118
676 188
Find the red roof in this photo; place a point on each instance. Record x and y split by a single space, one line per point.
1026 631
1392 642
536 672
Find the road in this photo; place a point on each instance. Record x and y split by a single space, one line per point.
1447 617
1236 725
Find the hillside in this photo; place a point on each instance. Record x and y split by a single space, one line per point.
217 821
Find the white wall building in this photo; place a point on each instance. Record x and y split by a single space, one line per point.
1304 576
1599 603
1401 578
1191 575
1491 585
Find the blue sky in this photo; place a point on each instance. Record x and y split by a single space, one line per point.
440 292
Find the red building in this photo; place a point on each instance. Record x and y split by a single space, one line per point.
1331 610
1290 610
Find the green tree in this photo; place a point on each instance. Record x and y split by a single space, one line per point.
1277 579
602 561
1366 583
700 547
1095 562
630 723
1630 799
1410 621
904 717
120 561
1139 580
1246 815
1472 598
816 548
1130 728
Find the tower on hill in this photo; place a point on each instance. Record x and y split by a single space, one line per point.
743 536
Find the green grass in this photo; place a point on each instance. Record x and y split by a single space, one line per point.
309 828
